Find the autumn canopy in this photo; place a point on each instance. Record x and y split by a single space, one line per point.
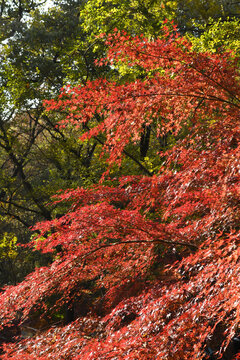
154 258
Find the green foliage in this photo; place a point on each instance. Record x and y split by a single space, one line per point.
137 16
8 247
134 16
219 36
192 15
39 53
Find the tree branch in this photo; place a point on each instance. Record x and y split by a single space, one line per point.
172 243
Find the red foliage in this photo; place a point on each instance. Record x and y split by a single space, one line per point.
114 235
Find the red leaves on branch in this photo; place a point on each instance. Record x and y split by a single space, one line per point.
179 86
112 236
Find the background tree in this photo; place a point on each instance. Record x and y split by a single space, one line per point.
38 57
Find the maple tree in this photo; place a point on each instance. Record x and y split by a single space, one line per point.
112 246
